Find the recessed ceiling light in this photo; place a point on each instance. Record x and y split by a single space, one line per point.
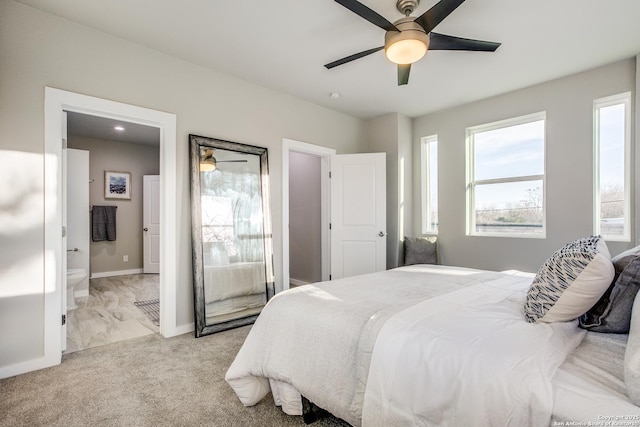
118 128
334 95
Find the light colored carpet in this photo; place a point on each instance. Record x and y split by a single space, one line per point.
147 381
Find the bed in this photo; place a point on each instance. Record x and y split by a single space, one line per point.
234 289
430 345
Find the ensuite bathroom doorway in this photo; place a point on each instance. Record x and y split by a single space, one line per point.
119 297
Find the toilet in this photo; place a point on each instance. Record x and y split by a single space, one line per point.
74 276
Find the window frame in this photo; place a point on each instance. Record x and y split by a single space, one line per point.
472 183
609 101
425 182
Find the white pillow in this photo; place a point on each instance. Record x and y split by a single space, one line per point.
632 355
570 282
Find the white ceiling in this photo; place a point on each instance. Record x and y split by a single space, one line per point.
283 45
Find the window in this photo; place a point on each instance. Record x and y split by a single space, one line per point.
612 142
429 156
505 177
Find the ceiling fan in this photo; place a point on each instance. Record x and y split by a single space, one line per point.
209 163
408 39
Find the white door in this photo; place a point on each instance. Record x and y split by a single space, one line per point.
76 209
358 214
151 224
63 258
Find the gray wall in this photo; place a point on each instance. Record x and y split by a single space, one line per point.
137 159
305 243
569 167
391 134
38 50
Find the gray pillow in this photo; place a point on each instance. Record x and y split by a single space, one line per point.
612 313
620 261
420 250
632 356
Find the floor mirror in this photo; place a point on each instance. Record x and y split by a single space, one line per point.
231 233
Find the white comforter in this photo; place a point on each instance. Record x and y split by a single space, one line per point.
318 341
222 282
467 358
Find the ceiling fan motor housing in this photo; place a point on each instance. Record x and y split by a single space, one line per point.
406 7
409 30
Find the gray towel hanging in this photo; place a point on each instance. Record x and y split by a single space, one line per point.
103 223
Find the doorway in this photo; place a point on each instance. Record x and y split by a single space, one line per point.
117 300
56 103
322 156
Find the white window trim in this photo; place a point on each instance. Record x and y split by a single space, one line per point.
622 98
425 174
471 183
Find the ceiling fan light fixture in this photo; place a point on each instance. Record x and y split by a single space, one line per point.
406 51
408 45
207 165
207 162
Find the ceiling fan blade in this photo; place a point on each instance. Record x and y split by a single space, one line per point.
368 14
432 17
444 42
352 57
403 74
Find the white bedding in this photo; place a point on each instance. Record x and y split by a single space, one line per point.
223 308
467 358
317 340
239 279
589 386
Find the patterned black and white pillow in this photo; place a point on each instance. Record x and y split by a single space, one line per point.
570 282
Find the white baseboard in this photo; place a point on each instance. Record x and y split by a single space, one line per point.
82 293
182 329
297 282
116 273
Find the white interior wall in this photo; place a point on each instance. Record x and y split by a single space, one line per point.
569 167
38 50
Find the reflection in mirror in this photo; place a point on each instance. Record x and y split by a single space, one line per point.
231 233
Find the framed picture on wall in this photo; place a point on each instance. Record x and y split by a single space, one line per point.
117 185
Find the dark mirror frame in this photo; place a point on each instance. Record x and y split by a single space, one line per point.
196 144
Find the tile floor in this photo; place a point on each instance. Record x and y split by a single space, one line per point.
108 314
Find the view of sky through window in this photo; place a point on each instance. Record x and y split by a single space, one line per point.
611 167
433 184
612 146
508 152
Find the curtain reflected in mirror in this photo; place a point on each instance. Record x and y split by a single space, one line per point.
232 247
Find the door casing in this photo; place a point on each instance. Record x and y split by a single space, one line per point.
326 155
56 103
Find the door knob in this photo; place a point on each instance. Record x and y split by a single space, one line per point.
145 229
382 234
